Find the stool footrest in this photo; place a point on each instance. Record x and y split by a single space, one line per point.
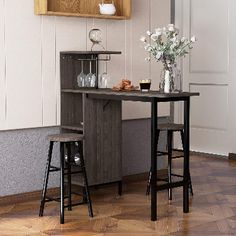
75 204
162 179
181 176
166 153
56 199
170 185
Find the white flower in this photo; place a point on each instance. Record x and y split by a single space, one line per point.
171 27
193 39
149 33
154 37
158 31
143 39
174 39
166 45
148 47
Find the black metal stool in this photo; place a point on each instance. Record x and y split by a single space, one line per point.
65 140
170 128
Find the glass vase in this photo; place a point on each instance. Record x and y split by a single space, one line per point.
171 80
177 79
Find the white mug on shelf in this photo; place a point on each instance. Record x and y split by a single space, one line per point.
107 8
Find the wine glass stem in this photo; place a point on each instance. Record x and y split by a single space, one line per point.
82 66
90 66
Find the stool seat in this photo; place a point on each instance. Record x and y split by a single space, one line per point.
170 126
65 137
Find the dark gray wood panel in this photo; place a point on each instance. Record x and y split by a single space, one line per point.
71 109
102 145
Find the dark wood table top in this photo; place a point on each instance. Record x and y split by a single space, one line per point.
135 95
89 52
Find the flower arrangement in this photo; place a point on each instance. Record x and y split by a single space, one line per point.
166 46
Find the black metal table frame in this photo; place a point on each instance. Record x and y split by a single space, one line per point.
154 144
154 100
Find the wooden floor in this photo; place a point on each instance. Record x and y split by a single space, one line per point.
212 209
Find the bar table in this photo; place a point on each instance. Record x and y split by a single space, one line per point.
153 97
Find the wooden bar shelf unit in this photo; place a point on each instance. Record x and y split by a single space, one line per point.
79 114
82 8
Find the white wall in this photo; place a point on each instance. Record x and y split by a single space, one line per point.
29 58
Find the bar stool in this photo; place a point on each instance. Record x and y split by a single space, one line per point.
66 162
170 128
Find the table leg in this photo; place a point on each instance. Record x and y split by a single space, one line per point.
153 159
62 158
186 156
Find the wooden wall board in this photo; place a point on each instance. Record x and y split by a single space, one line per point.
116 41
159 20
30 91
139 68
2 67
23 71
70 36
48 59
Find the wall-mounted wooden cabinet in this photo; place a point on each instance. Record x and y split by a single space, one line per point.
81 8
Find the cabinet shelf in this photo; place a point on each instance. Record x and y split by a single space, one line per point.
81 8
75 127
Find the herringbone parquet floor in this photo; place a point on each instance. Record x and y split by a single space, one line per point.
212 209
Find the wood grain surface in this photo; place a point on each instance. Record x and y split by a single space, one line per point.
86 8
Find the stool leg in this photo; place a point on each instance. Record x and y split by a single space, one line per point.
85 200
45 182
68 146
62 159
148 183
190 184
150 172
90 209
170 146
189 176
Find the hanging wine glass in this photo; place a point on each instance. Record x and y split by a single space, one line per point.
81 77
90 80
104 78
